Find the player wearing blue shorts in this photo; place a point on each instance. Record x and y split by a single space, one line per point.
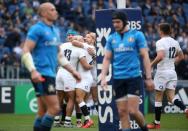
123 48
40 58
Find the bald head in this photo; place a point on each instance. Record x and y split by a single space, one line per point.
44 7
47 12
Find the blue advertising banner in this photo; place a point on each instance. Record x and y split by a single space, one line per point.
108 115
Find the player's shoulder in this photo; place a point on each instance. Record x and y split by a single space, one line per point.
37 25
65 45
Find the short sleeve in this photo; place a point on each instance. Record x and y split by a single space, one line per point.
82 53
141 40
33 34
108 45
159 46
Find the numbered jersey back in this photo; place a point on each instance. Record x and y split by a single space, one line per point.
170 48
72 53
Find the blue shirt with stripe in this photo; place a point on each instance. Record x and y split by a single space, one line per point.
47 38
125 53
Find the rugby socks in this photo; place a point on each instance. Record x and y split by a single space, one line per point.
37 123
84 110
67 120
57 119
46 123
96 106
79 116
178 103
63 108
158 110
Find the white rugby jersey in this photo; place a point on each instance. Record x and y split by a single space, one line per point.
72 53
94 69
84 73
170 48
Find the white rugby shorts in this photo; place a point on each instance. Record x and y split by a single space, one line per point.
65 81
165 79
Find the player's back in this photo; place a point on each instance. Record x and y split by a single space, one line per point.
170 48
72 53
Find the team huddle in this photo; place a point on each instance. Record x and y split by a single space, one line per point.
80 52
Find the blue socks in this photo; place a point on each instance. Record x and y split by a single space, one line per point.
37 123
47 122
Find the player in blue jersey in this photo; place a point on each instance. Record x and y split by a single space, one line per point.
123 48
40 58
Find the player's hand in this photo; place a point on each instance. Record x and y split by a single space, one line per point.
91 51
36 76
104 84
77 76
149 84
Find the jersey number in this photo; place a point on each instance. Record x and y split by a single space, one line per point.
68 54
172 51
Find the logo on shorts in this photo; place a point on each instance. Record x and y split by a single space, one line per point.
160 87
51 88
137 92
66 88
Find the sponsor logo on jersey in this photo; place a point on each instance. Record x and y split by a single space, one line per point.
131 39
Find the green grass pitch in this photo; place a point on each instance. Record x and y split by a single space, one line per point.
12 122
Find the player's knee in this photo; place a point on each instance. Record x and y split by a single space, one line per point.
133 111
54 110
123 112
78 99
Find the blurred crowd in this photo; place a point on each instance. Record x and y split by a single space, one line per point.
16 16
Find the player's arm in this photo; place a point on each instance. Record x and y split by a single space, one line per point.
146 62
27 57
158 58
85 46
179 55
141 42
84 63
27 60
77 43
105 67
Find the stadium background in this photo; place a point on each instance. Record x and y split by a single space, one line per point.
16 16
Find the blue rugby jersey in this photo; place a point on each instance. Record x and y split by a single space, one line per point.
125 59
47 39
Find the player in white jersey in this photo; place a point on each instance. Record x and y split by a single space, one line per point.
89 45
65 82
83 87
168 54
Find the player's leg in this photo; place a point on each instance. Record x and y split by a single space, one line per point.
122 106
120 88
160 80
61 96
51 100
41 112
78 116
53 109
170 92
94 93
134 85
158 110
135 112
80 97
70 106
